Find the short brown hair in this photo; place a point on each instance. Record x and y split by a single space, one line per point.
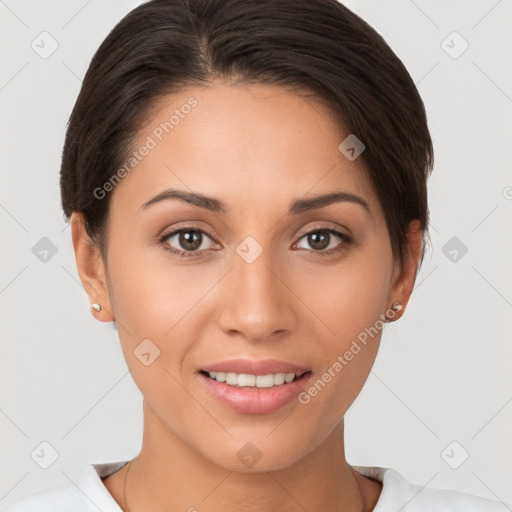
163 46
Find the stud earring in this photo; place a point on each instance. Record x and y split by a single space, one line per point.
96 307
396 306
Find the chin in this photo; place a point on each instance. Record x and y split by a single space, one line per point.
255 457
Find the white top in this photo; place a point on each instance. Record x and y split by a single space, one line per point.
89 494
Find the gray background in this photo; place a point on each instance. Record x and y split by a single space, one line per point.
443 371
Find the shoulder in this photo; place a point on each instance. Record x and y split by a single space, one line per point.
86 494
60 498
399 494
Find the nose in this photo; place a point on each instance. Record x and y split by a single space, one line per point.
257 300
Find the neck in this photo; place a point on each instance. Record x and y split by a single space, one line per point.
168 475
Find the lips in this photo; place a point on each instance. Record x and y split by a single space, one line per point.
255 367
244 397
254 400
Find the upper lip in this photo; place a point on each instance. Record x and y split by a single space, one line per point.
255 367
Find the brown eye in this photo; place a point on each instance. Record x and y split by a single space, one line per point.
321 239
190 240
186 242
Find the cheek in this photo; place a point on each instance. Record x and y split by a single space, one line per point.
150 291
151 299
158 310
347 297
347 303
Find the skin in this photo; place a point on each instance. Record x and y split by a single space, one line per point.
256 148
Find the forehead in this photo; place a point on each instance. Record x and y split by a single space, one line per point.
242 142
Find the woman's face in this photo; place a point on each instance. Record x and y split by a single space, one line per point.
252 284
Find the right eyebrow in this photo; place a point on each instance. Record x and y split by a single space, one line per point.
196 199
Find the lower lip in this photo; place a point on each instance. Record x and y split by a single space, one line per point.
253 400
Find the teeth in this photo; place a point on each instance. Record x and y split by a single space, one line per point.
247 380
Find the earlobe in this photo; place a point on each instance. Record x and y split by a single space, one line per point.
404 282
91 270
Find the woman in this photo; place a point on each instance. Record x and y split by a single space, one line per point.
246 186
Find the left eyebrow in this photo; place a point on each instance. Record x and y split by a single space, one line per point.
296 207
302 205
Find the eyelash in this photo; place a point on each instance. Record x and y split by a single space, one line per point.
186 254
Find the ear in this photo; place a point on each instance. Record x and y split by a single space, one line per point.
91 269
406 275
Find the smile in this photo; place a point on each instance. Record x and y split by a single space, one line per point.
249 380
254 394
